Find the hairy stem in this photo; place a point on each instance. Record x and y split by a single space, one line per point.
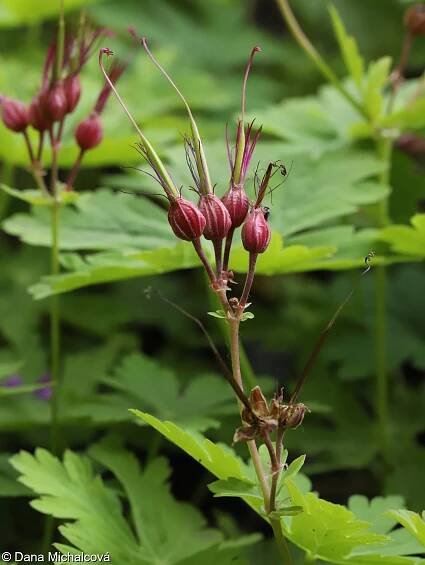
35 166
248 281
282 544
236 368
227 248
198 248
276 472
252 446
218 250
74 171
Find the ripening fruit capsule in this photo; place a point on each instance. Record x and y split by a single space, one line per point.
55 102
217 218
414 19
37 115
89 132
185 219
72 88
15 114
256 231
237 204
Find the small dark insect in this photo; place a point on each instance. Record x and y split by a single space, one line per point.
266 211
281 167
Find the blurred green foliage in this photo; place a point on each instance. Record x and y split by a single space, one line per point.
123 350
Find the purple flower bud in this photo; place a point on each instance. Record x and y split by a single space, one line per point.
72 88
237 204
12 381
37 114
55 102
185 219
256 231
44 393
15 114
89 132
217 218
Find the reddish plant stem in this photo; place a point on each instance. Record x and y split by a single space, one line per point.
218 250
74 171
276 473
227 248
252 446
54 167
198 248
248 281
35 167
40 146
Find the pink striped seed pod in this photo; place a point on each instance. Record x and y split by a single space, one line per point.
89 133
55 102
256 231
185 219
38 117
236 202
15 114
217 218
72 88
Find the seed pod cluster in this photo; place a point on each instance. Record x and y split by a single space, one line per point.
57 97
237 203
185 219
256 231
217 218
89 133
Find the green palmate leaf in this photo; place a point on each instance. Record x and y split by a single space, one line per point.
165 531
37 198
143 382
235 487
332 533
282 259
405 239
377 77
310 124
157 517
114 266
235 478
9 486
376 512
350 52
220 460
70 490
101 220
413 522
